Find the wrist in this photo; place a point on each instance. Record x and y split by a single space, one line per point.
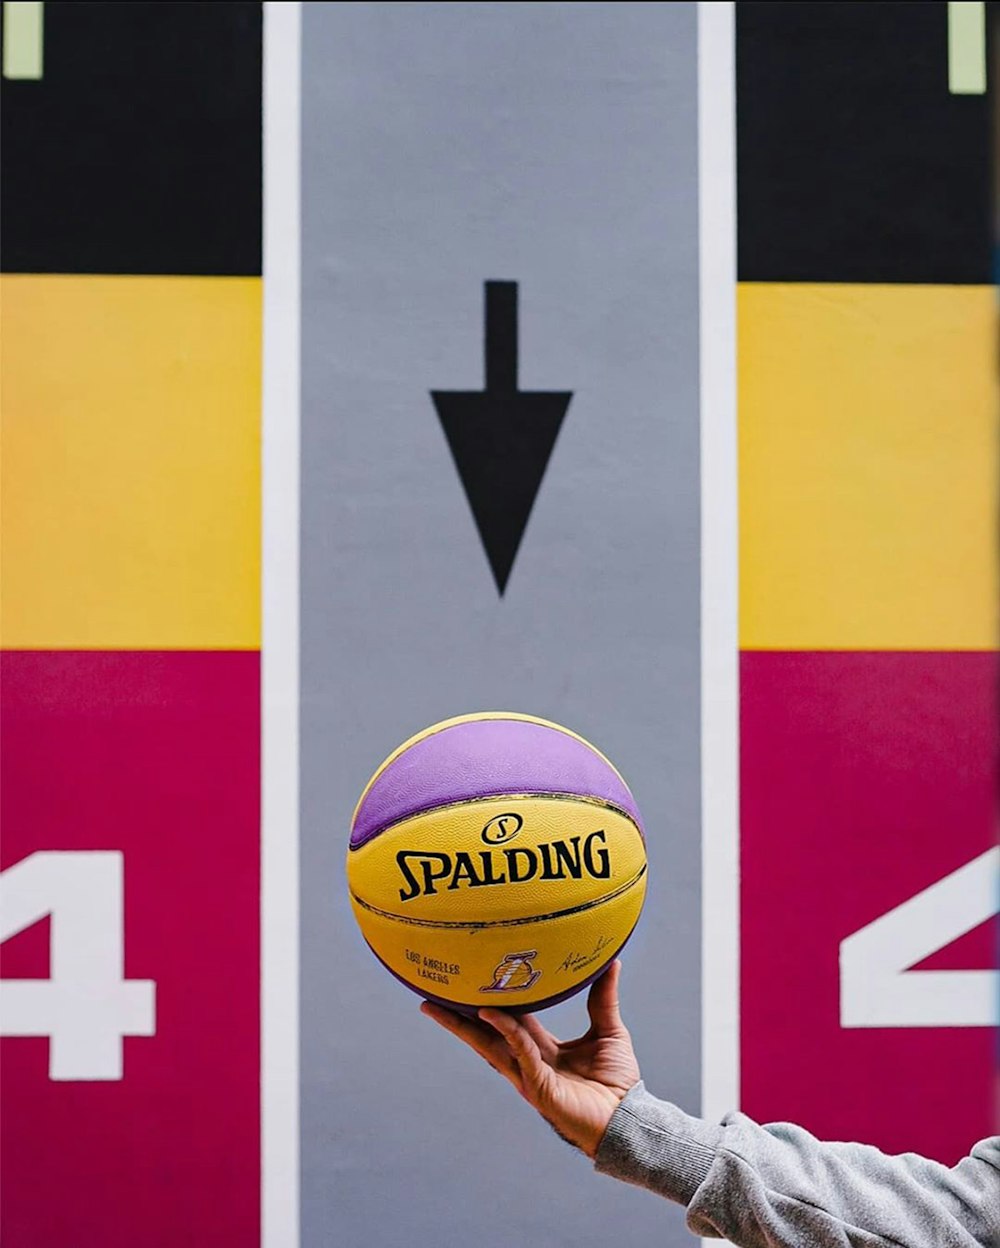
596 1129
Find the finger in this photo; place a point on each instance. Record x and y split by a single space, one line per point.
484 1040
602 1002
547 1043
474 1033
535 1074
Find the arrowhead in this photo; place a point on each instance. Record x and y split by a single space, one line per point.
501 443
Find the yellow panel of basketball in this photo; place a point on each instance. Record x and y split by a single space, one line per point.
497 860
513 965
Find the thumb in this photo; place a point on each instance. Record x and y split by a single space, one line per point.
602 1002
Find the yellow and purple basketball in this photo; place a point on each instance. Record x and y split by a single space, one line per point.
496 859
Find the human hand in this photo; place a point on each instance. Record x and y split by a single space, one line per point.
576 1085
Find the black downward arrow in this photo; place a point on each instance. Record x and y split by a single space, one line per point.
501 437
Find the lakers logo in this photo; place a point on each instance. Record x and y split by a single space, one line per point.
514 973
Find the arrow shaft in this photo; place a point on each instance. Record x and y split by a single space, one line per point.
501 336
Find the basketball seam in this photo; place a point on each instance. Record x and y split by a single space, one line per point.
586 798
452 924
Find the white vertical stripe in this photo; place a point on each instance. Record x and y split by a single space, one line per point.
23 39
719 559
966 47
280 639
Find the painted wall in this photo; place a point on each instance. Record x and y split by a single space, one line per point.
868 566
130 519
187 962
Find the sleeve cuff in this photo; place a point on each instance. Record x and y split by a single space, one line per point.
655 1145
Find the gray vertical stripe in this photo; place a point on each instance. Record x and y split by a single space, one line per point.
444 145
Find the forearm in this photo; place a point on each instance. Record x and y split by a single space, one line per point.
761 1187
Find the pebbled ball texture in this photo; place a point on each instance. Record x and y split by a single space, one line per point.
496 859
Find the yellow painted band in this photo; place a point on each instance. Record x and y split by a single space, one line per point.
130 481
868 467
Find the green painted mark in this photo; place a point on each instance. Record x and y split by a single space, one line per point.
967 47
22 39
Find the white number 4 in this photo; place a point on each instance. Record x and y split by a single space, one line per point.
877 988
86 1005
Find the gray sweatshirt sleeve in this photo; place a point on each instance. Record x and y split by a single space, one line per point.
777 1186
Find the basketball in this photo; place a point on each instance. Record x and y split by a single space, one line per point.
496 859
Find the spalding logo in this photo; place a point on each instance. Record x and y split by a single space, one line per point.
514 972
554 860
502 828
